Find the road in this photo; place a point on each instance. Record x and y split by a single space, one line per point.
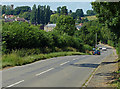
68 71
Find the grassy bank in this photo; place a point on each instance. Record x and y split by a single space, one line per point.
10 60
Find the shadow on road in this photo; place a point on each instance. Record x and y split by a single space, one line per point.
104 63
86 65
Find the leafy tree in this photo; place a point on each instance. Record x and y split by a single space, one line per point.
26 15
70 11
90 12
59 10
33 15
9 11
66 24
54 18
109 14
74 15
39 14
22 9
79 13
3 9
64 10
48 13
42 18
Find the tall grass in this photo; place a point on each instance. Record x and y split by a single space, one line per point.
13 59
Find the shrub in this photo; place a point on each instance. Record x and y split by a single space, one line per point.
87 48
69 49
58 49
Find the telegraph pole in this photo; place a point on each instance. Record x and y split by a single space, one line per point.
96 41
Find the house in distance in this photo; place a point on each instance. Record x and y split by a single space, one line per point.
49 27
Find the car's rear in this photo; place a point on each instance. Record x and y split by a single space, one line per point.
104 49
98 52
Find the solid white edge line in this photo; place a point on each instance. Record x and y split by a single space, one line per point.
64 63
44 71
15 83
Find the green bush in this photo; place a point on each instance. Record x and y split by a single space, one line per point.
28 39
69 49
111 43
58 49
87 47
13 59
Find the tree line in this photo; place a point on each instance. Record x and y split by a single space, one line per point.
42 14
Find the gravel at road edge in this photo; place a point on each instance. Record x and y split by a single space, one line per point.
103 75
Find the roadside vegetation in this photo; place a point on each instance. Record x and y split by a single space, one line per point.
25 43
16 59
108 13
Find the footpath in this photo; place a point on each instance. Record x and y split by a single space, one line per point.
103 76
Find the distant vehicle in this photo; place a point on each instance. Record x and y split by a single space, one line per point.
100 48
104 49
94 49
96 52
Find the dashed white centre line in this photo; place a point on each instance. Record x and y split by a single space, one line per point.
64 63
44 71
74 59
15 83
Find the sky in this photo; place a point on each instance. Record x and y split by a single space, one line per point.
47 0
53 5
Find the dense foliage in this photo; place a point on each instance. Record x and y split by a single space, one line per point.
90 12
108 14
66 24
54 18
21 35
40 15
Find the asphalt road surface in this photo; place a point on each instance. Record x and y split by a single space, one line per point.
68 71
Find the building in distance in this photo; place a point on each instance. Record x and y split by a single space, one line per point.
49 27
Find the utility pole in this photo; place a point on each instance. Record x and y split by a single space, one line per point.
96 41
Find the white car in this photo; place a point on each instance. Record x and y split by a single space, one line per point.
104 49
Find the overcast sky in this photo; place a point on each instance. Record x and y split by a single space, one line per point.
47 0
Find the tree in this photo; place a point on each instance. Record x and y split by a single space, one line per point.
70 12
48 13
8 10
64 10
42 17
38 14
109 14
3 9
90 12
79 13
33 15
22 9
59 10
66 24
74 15
54 18
26 15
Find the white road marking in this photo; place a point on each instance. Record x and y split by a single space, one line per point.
44 71
74 59
64 63
15 83
83 56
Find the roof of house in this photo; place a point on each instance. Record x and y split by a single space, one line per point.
81 24
51 25
20 19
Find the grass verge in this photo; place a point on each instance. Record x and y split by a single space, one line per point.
13 59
